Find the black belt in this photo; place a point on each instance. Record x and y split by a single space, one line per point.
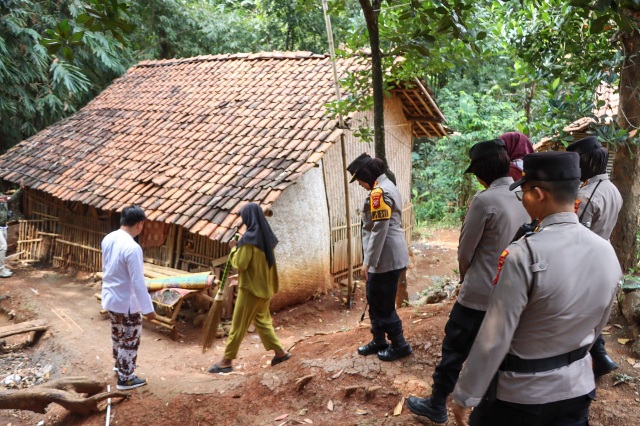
519 365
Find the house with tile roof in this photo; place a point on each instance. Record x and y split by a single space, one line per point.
192 141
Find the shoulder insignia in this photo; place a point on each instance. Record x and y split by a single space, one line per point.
380 210
576 205
503 256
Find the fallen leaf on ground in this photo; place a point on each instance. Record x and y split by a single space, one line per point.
361 412
631 361
418 320
623 341
335 376
308 421
330 405
282 417
606 333
398 410
618 326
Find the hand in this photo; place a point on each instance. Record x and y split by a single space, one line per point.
233 243
150 316
461 414
365 271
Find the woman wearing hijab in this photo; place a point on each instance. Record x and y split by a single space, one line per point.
257 283
385 257
518 145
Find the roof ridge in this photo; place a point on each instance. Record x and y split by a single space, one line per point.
276 54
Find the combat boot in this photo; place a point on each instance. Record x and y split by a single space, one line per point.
434 408
399 348
377 344
603 364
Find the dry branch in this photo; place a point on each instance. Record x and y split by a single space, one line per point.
65 392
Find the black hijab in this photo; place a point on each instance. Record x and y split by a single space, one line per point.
258 231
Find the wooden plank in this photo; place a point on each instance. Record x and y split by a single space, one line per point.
23 327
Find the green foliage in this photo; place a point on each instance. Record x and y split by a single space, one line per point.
45 78
479 109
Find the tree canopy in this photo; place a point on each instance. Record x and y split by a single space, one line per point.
496 66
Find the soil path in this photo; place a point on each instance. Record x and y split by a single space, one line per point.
344 388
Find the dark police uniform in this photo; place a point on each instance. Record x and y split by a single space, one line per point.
553 295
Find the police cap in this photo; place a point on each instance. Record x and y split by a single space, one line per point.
361 161
549 166
585 145
485 149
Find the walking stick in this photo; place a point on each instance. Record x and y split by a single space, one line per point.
213 317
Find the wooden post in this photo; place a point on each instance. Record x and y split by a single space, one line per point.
332 53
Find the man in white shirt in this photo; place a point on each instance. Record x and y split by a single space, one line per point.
124 294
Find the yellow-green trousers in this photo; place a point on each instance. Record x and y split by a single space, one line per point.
248 309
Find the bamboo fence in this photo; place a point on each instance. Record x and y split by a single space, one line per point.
69 235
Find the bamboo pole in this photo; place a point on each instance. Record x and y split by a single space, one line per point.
342 147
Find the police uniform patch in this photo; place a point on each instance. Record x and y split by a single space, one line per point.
504 254
380 210
576 205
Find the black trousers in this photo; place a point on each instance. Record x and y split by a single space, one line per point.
381 296
569 412
459 334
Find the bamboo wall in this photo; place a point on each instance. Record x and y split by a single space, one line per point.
69 235
398 140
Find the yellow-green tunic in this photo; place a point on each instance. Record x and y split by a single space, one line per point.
257 283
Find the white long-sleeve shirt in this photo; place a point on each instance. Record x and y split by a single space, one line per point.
123 288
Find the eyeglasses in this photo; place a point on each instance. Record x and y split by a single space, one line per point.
520 194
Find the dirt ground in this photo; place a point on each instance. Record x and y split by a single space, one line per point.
344 389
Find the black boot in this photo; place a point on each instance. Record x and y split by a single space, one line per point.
399 349
434 408
603 364
377 344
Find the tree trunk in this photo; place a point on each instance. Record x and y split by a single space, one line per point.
371 10
626 166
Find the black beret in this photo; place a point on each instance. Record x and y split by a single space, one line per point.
361 161
585 145
549 166
485 149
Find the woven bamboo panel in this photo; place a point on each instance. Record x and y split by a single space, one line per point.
78 241
398 140
199 253
163 255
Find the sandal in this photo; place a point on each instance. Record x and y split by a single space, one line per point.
276 360
217 369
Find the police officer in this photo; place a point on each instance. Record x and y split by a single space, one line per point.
493 217
385 257
597 206
553 294
4 218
